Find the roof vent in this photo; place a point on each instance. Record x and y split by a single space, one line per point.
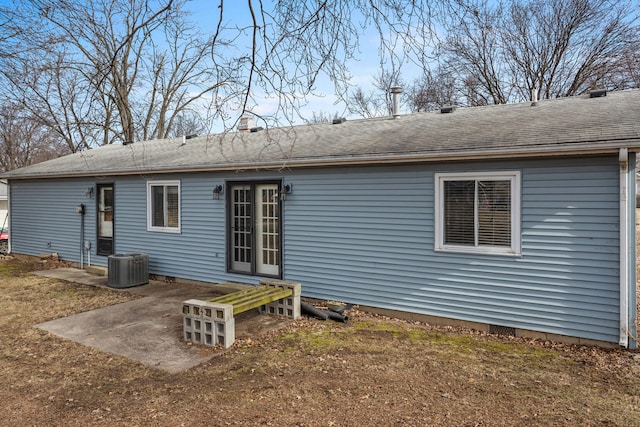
597 93
127 143
447 109
256 129
185 137
339 121
395 92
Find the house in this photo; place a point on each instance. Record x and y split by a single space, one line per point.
517 218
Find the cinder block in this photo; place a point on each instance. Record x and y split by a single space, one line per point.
197 325
217 311
187 323
225 333
293 307
209 339
208 333
290 306
208 326
187 335
295 287
192 308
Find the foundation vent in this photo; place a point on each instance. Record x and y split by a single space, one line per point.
502 330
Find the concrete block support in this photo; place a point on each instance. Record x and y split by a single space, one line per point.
216 311
290 306
225 332
192 308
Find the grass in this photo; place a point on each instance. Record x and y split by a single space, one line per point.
373 370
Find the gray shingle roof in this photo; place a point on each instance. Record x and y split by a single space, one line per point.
553 127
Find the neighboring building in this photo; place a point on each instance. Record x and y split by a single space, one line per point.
4 209
4 219
515 216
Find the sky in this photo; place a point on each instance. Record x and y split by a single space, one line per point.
362 70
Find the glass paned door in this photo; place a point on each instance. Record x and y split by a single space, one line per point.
241 228
255 229
267 230
105 219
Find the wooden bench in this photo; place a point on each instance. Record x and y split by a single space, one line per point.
211 322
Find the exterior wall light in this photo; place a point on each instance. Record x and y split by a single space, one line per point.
217 191
286 190
89 193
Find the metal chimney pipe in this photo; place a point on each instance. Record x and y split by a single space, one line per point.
396 91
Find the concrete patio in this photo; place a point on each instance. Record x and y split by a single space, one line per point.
149 329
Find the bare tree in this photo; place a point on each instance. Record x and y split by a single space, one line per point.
366 104
431 91
377 102
96 72
179 78
472 53
322 117
513 50
23 141
289 47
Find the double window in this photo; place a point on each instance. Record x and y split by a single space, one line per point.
478 212
163 206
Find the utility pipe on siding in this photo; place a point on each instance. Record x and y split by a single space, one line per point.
623 159
81 210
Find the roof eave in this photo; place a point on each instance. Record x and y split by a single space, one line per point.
369 160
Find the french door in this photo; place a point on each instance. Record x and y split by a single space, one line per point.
254 229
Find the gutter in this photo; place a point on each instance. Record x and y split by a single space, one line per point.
623 159
611 148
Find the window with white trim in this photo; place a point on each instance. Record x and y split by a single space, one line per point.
163 206
478 212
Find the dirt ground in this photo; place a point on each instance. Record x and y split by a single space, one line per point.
370 371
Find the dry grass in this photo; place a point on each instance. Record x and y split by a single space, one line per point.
372 371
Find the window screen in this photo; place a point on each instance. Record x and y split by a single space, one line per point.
476 211
163 208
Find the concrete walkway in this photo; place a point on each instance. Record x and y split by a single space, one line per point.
148 329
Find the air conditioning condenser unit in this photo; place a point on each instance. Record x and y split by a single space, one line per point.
128 270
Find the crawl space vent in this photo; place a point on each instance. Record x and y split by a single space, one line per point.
502 330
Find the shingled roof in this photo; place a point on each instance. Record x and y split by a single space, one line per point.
573 125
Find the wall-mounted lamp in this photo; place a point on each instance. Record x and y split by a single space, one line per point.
217 191
89 193
286 190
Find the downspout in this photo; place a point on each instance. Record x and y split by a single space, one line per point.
623 159
8 213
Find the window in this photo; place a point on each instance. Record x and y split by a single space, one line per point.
163 206
478 212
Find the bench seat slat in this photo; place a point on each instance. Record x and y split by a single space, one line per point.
239 299
229 298
251 298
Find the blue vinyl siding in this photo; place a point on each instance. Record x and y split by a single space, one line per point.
366 235
43 218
